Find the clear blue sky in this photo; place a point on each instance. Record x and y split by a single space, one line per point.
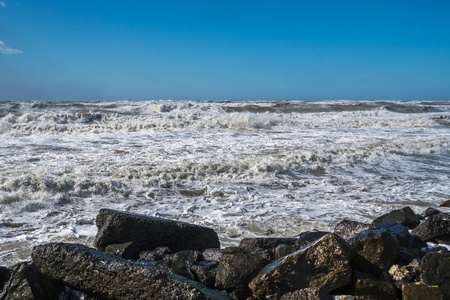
212 49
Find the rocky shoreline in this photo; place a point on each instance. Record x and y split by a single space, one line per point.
142 257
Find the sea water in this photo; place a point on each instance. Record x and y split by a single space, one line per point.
244 168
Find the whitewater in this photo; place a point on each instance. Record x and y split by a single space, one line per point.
244 168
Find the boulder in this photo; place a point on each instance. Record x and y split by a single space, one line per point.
372 288
117 227
348 229
28 283
324 264
430 211
376 251
237 268
154 255
435 270
445 204
105 276
420 291
433 227
400 233
404 216
308 294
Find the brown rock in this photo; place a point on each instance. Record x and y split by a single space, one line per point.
420 291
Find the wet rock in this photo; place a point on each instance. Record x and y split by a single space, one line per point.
433 227
435 270
310 236
308 294
443 239
283 250
420 291
237 267
371 287
265 247
6 275
205 272
116 227
348 229
376 251
126 250
324 264
404 216
30 284
430 211
104 276
212 254
445 204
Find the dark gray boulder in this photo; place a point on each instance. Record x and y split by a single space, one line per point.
404 216
376 251
430 211
324 264
105 276
348 229
433 227
435 270
237 268
421 291
116 227
28 283
313 293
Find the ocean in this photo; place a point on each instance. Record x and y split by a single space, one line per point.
244 168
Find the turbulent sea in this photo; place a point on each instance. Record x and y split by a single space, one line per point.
244 168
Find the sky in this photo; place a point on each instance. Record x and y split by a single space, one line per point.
224 50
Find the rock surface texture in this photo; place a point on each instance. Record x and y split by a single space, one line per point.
108 277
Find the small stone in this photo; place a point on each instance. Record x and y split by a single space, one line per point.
205 272
371 287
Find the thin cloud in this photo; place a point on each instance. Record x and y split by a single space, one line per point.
2 4
5 49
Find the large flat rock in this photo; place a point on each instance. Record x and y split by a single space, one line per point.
117 227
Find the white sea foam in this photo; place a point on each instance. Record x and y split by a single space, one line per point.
243 168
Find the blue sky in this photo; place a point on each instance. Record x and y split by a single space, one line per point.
212 50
